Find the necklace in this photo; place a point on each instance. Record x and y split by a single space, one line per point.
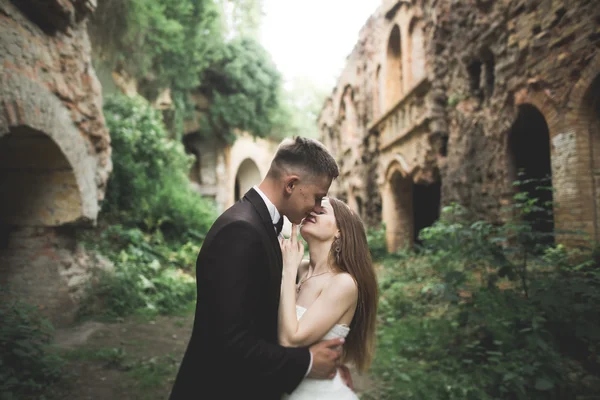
305 279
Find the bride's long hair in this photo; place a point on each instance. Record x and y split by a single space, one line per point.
350 253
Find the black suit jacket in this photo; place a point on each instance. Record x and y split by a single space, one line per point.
233 351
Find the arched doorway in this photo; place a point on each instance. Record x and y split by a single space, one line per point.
530 164
393 73
37 182
398 211
417 51
426 205
40 203
408 208
247 176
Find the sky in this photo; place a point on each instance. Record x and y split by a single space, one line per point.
312 38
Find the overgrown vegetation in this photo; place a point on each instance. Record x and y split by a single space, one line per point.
244 90
483 312
149 187
198 48
152 222
29 365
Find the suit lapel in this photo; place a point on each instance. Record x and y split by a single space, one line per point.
261 208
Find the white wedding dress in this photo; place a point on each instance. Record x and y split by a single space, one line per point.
323 389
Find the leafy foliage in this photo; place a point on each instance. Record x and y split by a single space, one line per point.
186 46
28 364
244 90
484 312
152 221
150 275
149 187
161 42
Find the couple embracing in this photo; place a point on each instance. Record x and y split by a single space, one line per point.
268 323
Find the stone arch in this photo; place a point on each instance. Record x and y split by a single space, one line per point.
529 153
408 204
394 76
45 169
417 50
247 175
397 207
584 120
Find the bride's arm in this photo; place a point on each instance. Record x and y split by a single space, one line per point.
287 302
334 301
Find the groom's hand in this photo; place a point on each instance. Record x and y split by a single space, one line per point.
346 376
326 356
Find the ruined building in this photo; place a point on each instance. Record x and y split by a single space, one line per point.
445 101
54 150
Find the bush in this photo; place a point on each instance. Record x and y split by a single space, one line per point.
28 363
149 187
484 312
152 221
149 275
376 242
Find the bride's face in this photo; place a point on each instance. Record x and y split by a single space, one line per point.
322 225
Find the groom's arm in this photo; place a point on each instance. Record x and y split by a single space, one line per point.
230 273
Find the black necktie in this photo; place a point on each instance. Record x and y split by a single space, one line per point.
279 225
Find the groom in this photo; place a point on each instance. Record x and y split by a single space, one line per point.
233 351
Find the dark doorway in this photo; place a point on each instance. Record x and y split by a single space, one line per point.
529 152
426 206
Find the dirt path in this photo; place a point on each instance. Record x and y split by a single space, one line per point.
130 360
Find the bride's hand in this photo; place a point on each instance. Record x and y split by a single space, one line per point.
292 251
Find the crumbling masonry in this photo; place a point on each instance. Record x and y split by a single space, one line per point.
445 101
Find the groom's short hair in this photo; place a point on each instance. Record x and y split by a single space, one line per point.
306 155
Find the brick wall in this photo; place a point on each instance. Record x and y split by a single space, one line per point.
484 61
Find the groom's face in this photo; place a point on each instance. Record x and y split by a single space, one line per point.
306 197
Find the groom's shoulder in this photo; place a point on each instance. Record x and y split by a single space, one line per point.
238 215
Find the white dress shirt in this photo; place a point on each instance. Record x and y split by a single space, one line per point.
275 216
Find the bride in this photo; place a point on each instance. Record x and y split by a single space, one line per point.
333 294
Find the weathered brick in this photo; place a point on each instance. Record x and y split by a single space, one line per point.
535 58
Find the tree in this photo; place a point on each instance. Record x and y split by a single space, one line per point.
243 88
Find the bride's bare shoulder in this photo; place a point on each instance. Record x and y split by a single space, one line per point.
344 282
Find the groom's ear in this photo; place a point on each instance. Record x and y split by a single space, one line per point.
291 181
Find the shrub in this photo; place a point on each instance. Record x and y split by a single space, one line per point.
28 363
484 312
149 187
